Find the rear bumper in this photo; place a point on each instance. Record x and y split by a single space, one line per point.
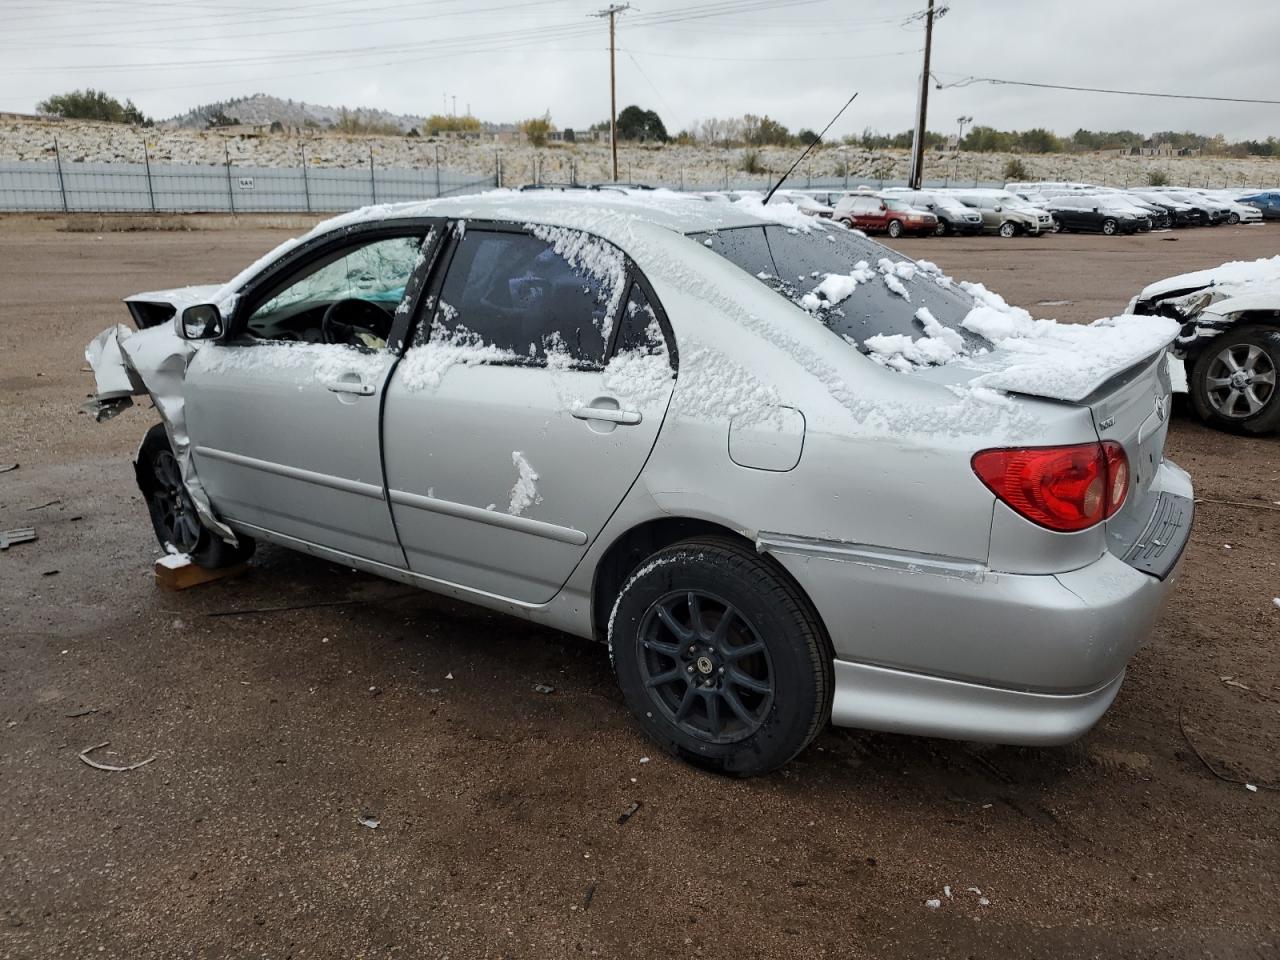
876 698
1010 658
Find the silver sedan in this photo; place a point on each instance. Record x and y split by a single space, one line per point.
789 476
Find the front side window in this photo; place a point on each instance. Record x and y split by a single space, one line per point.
357 288
531 298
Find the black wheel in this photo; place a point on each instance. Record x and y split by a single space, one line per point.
173 515
721 660
895 228
1233 218
1233 381
1109 227
943 229
1058 227
1008 229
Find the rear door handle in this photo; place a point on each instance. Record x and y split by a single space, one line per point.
627 418
357 387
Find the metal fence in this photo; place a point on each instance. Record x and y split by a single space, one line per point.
219 188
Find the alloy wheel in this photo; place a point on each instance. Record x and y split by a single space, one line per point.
1240 381
705 667
172 504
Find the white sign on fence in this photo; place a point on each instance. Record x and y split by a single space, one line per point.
246 183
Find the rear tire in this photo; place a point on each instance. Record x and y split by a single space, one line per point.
720 658
173 515
894 229
1249 403
943 229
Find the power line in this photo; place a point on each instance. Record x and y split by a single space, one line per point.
968 81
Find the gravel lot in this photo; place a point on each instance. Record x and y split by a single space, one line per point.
499 806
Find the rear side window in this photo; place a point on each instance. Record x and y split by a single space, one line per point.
858 288
639 330
515 292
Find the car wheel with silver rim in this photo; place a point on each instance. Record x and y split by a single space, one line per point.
1109 227
720 657
1234 379
895 228
1008 229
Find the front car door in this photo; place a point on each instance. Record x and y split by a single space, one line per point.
284 412
509 441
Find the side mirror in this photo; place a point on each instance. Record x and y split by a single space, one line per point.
201 322
997 208
1096 210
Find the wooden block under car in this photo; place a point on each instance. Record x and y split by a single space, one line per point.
178 572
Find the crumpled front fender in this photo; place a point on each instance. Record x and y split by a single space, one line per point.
128 363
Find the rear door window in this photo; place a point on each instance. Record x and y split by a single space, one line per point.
531 297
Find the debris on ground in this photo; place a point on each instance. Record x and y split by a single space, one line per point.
81 713
644 759
933 904
630 812
449 675
590 895
367 820
111 768
49 573
1251 788
19 535
543 688
9 466
51 503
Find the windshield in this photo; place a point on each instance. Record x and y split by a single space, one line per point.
896 205
854 285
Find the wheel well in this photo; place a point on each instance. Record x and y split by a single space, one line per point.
631 549
1246 318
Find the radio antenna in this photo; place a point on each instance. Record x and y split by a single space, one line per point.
817 140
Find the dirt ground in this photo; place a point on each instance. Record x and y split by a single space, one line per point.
499 806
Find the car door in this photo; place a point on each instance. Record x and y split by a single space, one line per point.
284 426
508 441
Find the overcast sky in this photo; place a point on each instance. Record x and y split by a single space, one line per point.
796 60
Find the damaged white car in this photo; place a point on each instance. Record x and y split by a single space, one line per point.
788 475
1227 354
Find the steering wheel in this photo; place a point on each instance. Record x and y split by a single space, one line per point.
344 320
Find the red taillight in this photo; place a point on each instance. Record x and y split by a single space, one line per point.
1063 488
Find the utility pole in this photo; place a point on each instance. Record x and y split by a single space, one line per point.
917 143
455 104
612 12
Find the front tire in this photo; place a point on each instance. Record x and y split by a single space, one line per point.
1008 229
1109 227
1234 379
720 658
1233 218
173 515
894 229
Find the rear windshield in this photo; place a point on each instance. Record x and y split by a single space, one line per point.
857 287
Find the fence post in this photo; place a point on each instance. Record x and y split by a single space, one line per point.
146 158
846 174
437 169
62 186
497 167
231 197
306 182
373 183
682 179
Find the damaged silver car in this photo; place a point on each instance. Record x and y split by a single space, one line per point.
788 475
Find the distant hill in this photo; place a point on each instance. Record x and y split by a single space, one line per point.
261 109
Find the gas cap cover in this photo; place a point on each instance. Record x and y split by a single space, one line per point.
772 439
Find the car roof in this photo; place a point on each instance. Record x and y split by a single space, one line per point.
677 212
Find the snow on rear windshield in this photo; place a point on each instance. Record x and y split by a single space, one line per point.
858 288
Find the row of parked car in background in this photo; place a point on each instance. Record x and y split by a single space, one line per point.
1034 209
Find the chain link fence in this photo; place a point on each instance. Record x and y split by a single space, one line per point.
55 186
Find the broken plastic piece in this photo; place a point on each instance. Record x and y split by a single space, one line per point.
111 768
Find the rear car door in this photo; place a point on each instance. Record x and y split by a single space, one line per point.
284 426
508 440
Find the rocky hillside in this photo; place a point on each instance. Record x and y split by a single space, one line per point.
263 110
664 165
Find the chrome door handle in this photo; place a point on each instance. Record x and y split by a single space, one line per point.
625 417
357 387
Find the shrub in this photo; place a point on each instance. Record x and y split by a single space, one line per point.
1157 178
1015 169
93 104
751 162
537 129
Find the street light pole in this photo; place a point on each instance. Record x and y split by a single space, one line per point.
612 12
917 144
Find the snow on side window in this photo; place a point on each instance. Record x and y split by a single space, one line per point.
640 370
599 263
518 294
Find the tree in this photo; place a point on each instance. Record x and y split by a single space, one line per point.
90 104
636 123
439 123
1016 170
219 119
806 136
537 129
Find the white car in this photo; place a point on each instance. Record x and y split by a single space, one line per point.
1228 354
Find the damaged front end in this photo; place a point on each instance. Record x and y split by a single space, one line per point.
152 360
